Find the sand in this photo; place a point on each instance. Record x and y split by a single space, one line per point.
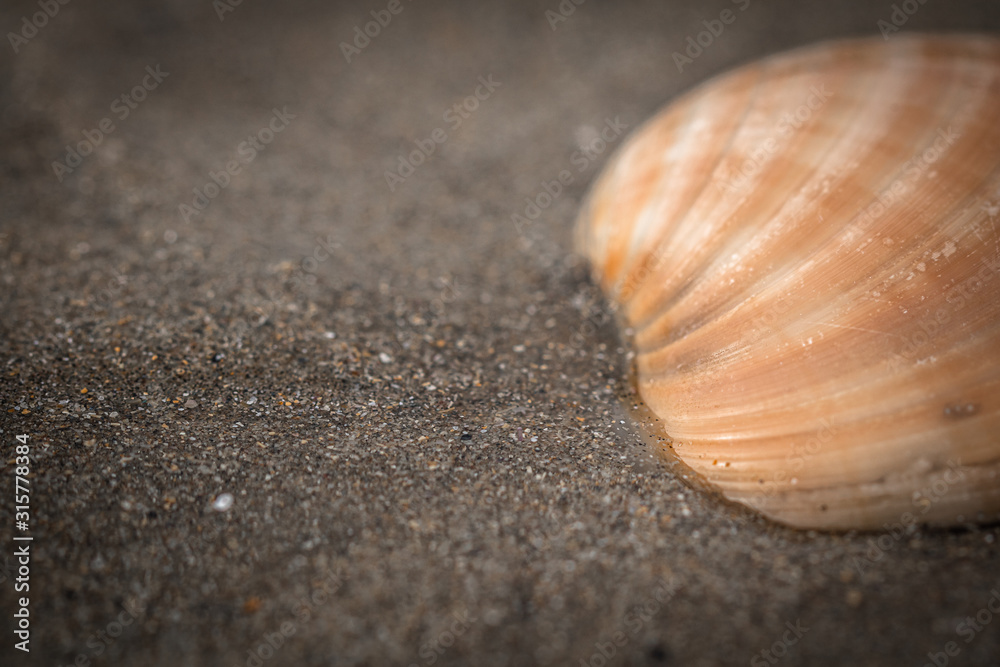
298 395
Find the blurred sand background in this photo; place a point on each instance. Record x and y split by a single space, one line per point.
412 404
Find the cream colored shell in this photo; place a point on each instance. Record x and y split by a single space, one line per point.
807 250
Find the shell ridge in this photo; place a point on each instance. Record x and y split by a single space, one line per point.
822 342
768 232
656 252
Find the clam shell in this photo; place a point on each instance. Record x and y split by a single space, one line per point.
807 251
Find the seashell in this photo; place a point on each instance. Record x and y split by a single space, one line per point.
807 251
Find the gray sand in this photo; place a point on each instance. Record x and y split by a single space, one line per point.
412 404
